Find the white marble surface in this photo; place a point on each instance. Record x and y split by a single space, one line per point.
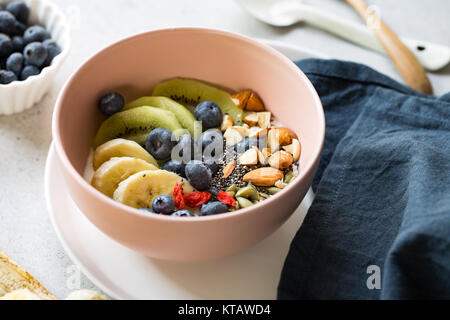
25 230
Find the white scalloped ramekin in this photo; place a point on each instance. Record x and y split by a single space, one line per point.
21 95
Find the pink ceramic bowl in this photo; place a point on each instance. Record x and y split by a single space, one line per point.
133 67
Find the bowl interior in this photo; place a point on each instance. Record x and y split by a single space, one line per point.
134 66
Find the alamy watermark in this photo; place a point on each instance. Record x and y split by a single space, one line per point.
374 280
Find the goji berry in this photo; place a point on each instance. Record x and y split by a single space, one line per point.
226 198
178 196
196 199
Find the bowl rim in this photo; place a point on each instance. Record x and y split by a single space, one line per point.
66 163
58 60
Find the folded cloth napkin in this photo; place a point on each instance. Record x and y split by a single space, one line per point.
379 227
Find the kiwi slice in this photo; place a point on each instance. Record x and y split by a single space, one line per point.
184 116
135 124
192 92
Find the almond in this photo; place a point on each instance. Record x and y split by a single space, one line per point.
295 149
251 118
266 152
262 159
263 177
257 132
254 103
280 184
279 137
241 98
227 123
242 130
281 160
232 136
228 169
264 119
249 158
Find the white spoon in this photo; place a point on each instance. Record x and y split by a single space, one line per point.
283 13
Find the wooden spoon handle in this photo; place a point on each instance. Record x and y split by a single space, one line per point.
403 59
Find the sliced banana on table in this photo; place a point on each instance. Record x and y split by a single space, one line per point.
140 189
107 178
17 284
85 295
121 148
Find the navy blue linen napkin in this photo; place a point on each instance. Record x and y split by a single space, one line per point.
379 227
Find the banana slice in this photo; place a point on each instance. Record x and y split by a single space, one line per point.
107 178
140 189
85 295
121 148
17 284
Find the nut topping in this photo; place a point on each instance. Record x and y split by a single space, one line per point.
264 177
228 169
281 160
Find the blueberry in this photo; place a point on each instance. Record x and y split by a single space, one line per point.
52 49
15 63
17 43
111 103
198 175
20 10
7 77
186 144
246 144
159 143
177 167
212 208
29 71
7 23
212 164
147 210
163 204
19 29
210 114
182 213
35 33
212 141
6 46
214 194
35 54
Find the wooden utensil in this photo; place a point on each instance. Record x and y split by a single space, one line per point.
403 59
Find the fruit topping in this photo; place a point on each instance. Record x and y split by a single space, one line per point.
192 92
178 196
183 115
199 175
226 198
107 178
139 190
209 113
175 166
213 208
160 143
212 142
182 213
111 103
121 148
134 122
196 199
163 204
